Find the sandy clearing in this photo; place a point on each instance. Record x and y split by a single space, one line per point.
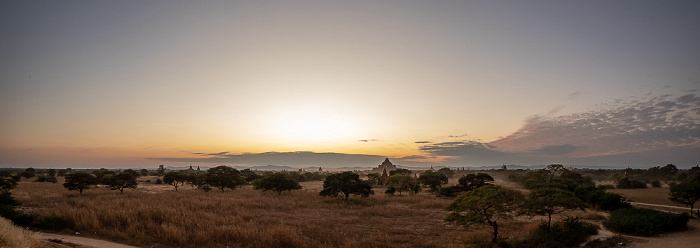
83 242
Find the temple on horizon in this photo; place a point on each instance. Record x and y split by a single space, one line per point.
385 165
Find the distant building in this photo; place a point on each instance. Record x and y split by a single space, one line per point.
382 179
385 166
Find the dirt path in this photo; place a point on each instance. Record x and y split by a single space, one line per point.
82 242
659 205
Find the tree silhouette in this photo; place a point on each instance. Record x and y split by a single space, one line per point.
278 182
400 183
475 181
486 205
224 177
176 178
346 183
432 179
686 192
549 201
79 181
122 181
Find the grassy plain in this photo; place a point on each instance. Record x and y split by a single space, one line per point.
13 236
156 215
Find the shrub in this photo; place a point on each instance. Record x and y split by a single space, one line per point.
606 186
611 201
645 222
20 219
450 191
626 183
570 232
159 181
54 223
655 184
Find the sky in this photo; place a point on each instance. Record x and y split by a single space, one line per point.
137 84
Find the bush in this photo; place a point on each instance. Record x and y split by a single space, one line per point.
611 201
655 184
18 218
626 183
159 181
450 191
44 179
54 223
606 186
570 232
645 222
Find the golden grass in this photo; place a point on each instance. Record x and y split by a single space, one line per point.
246 217
648 195
12 236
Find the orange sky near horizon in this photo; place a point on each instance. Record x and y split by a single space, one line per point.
473 83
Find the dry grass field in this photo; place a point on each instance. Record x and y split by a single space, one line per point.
156 215
648 195
13 236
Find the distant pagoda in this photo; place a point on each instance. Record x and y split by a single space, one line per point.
386 165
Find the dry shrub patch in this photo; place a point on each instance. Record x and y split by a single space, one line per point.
244 217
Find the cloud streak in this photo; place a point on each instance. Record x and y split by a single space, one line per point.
617 134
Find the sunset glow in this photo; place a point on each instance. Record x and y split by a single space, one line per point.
137 84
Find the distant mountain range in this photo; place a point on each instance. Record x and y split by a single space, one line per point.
357 168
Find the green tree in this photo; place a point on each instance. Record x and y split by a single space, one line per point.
687 192
176 178
144 172
222 177
79 181
62 172
402 182
122 181
549 201
474 181
432 179
346 183
486 205
278 182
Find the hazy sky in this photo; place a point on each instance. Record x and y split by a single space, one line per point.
90 84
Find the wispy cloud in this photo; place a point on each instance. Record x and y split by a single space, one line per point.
620 132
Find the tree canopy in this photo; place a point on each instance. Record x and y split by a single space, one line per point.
122 181
277 182
548 201
400 171
223 177
474 181
346 183
402 182
687 192
176 178
79 181
434 180
485 205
